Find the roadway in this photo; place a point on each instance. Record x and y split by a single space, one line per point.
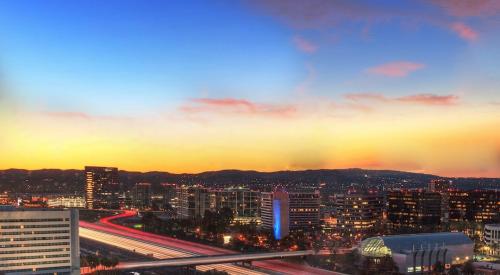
163 247
220 259
155 251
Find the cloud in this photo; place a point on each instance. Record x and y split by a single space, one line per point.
430 99
80 115
469 8
464 31
315 14
304 45
236 106
420 99
396 69
363 96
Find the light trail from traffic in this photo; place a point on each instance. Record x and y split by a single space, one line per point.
105 225
156 251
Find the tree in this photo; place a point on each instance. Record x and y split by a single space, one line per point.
468 268
114 262
105 261
439 268
350 262
224 218
388 266
92 260
454 271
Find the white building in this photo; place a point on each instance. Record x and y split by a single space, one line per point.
39 241
67 202
418 253
492 237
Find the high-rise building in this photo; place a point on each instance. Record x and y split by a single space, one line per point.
358 210
244 202
481 206
413 208
275 213
170 199
492 238
442 186
141 195
439 185
457 205
39 241
193 201
283 211
102 188
304 209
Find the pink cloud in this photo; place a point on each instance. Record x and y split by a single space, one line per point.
363 96
421 99
464 31
236 106
465 8
304 45
430 99
396 69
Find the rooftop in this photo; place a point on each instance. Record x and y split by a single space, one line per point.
377 246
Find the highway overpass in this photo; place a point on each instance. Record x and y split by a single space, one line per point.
219 259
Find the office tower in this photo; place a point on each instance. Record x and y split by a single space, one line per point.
439 185
244 202
170 200
442 186
480 206
492 238
358 210
413 208
102 187
275 213
141 195
39 241
283 211
483 206
304 209
457 205
193 201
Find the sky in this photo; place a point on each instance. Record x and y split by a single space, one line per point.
191 86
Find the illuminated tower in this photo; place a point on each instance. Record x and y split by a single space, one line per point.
102 187
283 211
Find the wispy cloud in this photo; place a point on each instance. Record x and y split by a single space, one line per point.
396 69
304 45
468 8
430 99
237 106
80 115
421 99
464 31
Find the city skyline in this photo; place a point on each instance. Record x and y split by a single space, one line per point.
251 85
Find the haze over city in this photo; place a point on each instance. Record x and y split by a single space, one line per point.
262 85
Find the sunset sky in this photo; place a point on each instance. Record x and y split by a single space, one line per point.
190 86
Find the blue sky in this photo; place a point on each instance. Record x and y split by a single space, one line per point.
266 65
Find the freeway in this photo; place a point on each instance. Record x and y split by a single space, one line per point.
156 251
205 260
174 246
